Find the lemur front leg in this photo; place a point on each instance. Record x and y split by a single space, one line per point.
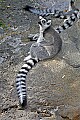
33 37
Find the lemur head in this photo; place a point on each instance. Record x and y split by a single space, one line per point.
44 23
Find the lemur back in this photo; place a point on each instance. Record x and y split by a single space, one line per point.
42 49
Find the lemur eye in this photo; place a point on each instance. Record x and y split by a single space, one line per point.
43 21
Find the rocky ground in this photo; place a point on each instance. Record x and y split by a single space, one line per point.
53 85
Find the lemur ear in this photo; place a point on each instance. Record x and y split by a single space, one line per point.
40 17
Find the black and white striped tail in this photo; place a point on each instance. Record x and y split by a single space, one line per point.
51 11
21 81
48 11
68 22
38 11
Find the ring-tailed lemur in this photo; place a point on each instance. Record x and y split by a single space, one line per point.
52 11
43 49
39 51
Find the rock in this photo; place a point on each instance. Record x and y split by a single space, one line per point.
69 112
70 54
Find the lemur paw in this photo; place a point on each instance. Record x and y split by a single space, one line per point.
33 37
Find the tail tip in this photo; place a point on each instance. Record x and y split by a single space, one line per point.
27 7
24 103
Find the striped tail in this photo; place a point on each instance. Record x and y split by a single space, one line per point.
21 81
51 11
38 11
47 11
68 23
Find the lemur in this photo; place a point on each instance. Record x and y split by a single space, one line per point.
42 49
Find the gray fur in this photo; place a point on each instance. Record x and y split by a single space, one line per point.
49 47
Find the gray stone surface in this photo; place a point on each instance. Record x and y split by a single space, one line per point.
53 85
